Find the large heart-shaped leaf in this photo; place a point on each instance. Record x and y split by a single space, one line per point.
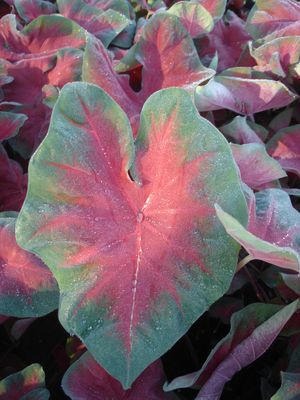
137 261
253 330
27 287
26 384
85 379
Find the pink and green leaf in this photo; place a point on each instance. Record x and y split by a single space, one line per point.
98 69
86 379
26 384
290 387
193 16
232 90
278 55
27 287
243 131
228 40
86 9
137 261
285 148
160 37
275 18
30 76
68 67
10 123
43 36
253 330
257 168
276 220
31 9
273 232
106 25
166 40
216 8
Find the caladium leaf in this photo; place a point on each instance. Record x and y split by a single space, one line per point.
98 69
30 76
162 33
26 384
166 40
216 8
253 330
273 233
277 55
285 147
27 287
86 379
13 183
50 95
33 40
85 9
257 168
105 25
193 16
243 131
31 9
68 67
228 40
273 16
10 123
276 220
124 39
290 387
136 262
244 95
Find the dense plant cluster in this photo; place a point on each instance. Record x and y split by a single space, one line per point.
149 177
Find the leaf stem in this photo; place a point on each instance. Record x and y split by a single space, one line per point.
243 262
